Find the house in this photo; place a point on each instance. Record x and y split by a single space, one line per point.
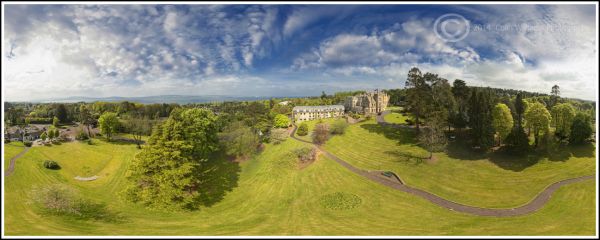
367 103
30 133
306 113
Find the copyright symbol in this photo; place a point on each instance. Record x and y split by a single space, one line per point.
451 27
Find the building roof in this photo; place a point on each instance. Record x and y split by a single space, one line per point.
324 108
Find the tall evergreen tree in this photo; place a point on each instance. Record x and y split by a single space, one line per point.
480 119
417 94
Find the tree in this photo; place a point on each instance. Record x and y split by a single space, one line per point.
86 118
320 133
502 121
555 91
169 172
562 119
55 121
538 119
61 113
554 96
581 130
109 123
239 140
339 126
44 136
417 94
461 94
520 107
433 137
302 129
480 119
51 134
442 99
138 127
323 95
281 121
517 140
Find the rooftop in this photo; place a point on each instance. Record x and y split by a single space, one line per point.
318 108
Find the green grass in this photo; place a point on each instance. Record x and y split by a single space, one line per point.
395 117
497 182
273 197
311 125
10 150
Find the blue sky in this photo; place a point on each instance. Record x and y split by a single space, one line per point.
291 50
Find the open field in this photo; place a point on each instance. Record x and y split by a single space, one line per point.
495 182
272 197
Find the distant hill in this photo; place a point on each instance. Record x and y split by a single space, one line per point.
180 99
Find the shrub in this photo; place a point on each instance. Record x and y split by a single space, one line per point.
49 164
281 121
64 201
6 140
278 135
81 136
368 117
302 129
306 154
339 127
27 143
320 133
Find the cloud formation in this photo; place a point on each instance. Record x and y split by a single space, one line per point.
270 50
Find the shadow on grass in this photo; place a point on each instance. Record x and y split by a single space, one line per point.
402 135
510 161
405 157
221 177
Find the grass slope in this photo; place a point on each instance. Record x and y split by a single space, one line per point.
496 182
10 150
273 197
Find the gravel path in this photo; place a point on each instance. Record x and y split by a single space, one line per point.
11 167
538 202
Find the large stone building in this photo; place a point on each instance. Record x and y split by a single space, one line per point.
306 113
373 102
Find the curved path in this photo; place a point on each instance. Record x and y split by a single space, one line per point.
537 203
11 167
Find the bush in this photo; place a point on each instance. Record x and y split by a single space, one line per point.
278 135
64 201
27 143
49 164
302 129
339 127
320 133
368 117
281 121
81 136
6 140
306 154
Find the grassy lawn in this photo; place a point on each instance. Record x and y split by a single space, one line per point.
10 150
497 182
274 197
395 117
311 125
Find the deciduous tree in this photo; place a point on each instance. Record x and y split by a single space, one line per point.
502 121
109 123
169 172
538 119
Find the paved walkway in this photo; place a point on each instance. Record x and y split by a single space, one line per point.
538 202
11 167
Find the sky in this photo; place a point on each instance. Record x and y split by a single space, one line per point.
55 51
